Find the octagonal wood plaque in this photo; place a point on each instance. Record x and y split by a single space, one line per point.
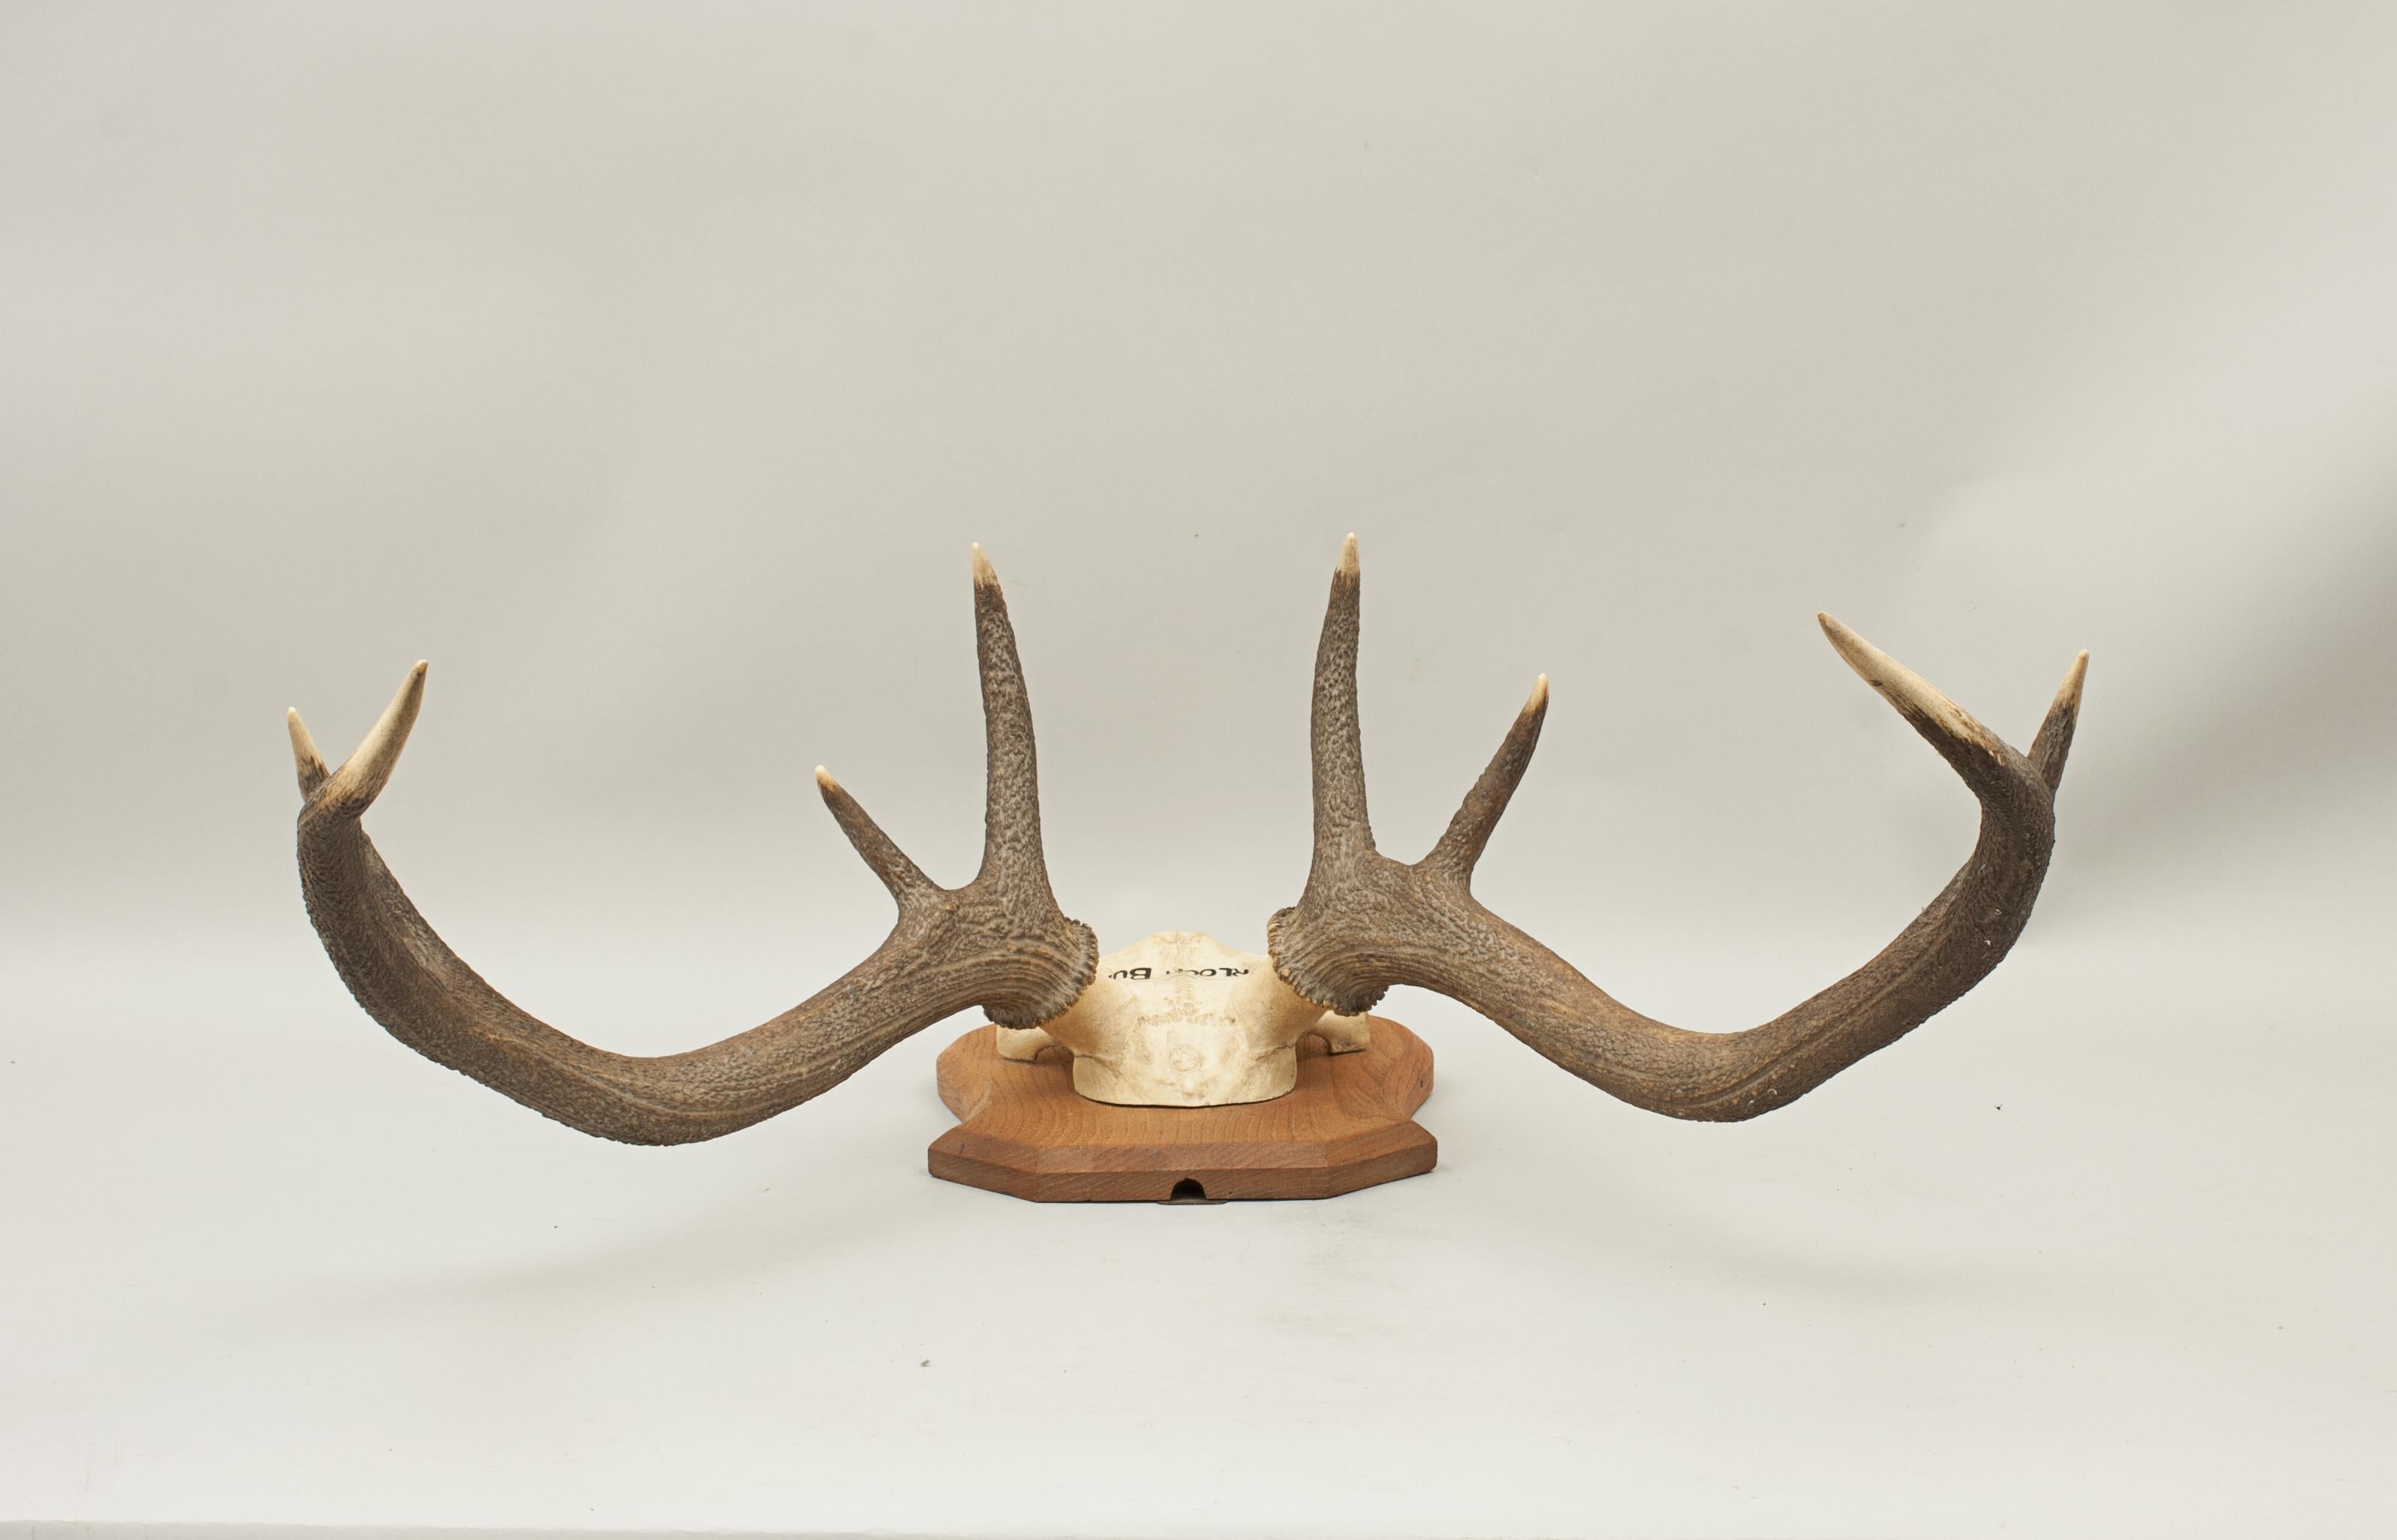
1023 1131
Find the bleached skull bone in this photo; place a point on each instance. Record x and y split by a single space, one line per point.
1180 1019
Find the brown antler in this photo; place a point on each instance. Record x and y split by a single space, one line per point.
1366 922
999 943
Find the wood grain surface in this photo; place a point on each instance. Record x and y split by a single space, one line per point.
1023 1131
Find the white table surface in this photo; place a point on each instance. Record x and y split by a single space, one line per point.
2043 1268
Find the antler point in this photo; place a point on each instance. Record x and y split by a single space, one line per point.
306 761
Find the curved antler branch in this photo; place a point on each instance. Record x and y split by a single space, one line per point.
1366 922
999 942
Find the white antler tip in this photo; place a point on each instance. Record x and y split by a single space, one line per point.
984 575
2069 694
306 760
1901 687
1869 661
824 780
1348 567
364 773
402 711
1539 695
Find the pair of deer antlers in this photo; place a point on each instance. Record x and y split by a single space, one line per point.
1365 922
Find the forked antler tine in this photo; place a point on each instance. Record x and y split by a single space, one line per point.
1469 832
1342 823
1338 748
353 788
1961 738
1011 850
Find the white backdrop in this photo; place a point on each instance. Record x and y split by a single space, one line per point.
649 369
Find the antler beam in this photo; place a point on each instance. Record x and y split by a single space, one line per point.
999 942
1366 922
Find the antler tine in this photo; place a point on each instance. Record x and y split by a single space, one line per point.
1341 825
1976 753
1012 848
1460 849
1010 830
1958 736
304 757
2055 740
1364 924
999 943
353 788
904 877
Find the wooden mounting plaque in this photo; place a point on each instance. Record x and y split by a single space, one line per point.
1024 1130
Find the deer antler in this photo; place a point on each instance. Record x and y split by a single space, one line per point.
999 942
1366 922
